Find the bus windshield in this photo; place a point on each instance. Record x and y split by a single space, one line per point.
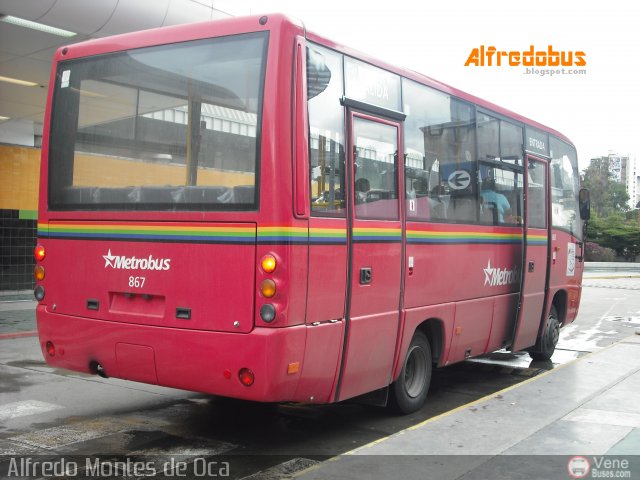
171 127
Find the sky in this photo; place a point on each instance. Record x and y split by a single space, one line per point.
597 110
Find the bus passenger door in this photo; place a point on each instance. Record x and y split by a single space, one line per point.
375 255
534 282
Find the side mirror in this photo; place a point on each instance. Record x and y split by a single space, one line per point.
584 204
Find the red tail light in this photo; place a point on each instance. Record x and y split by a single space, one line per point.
51 349
39 253
246 377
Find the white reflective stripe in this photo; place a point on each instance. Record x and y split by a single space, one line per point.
24 408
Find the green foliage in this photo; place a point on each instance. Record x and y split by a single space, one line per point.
612 225
616 232
607 195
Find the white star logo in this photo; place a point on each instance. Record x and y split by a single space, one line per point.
488 273
108 260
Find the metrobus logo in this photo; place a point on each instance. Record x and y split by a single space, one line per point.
120 262
497 277
492 57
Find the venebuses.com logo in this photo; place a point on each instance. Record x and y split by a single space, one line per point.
483 56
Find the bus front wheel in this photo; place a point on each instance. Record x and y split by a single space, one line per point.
409 391
547 343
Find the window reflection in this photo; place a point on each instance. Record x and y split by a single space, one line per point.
375 170
326 126
439 156
565 184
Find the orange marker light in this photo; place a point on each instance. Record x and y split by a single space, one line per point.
268 288
38 273
293 368
268 263
39 253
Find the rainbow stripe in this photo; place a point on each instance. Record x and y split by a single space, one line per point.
193 233
462 237
269 235
149 233
376 235
246 234
537 239
302 235
328 236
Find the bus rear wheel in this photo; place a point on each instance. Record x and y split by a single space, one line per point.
409 391
547 343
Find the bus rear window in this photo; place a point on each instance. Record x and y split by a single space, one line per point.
174 127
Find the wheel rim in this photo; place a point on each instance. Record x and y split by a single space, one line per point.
415 372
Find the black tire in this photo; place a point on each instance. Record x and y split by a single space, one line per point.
547 342
409 392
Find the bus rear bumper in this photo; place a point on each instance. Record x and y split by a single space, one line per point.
195 360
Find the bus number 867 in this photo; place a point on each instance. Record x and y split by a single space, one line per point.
137 282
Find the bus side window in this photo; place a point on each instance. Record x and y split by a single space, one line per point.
500 195
326 132
439 141
462 208
565 185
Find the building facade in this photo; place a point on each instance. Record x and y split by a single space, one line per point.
624 169
30 33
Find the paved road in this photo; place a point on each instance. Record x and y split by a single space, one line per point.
45 411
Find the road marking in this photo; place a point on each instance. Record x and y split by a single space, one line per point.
13 410
604 417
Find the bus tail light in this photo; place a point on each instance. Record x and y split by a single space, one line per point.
267 313
268 263
50 348
246 377
268 288
39 293
38 273
39 253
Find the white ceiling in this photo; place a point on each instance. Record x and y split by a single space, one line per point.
26 54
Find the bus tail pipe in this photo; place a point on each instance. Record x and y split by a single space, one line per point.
97 369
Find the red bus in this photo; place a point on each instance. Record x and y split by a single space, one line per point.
224 209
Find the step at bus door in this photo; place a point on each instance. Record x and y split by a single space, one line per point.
535 265
375 255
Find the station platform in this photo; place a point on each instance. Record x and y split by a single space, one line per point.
580 420
17 315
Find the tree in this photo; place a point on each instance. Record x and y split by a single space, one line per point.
612 226
618 232
617 197
607 195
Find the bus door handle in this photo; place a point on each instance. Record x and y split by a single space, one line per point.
532 265
365 276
